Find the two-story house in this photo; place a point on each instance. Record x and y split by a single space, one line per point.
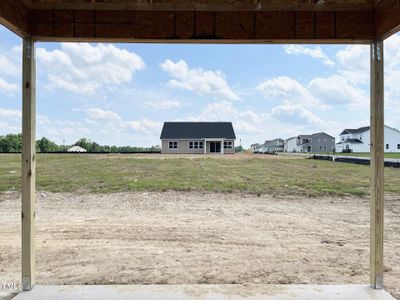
316 142
358 140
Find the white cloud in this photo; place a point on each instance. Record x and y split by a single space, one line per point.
8 87
246 121
337 89
290 90
85 68
144 126
353 63
10 113
100 114
163 104
202 82
295 114
9 67
315 52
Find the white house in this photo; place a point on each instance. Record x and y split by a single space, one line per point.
358 140
291 145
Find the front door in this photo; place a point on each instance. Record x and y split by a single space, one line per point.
215 147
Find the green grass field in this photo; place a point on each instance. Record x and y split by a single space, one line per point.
254 174
363 154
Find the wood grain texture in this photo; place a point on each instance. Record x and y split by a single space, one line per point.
28 163
387 18
14 15
377 165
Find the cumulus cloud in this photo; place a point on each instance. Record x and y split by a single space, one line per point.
7 86
9 67
290 90
144 126
244 121
86 68
314 52
163 104
96 113
337 89
295 114
202 82
10 113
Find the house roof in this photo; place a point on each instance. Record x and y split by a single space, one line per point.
357 130
353 141
197 130
310 136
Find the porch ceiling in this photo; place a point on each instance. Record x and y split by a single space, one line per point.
216 21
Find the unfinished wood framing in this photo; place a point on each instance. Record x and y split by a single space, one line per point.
28 164
377 165
205 21
204 26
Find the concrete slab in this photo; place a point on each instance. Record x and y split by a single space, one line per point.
203 292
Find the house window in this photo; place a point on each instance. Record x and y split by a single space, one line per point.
228 145
387 146
398 146
195 145
173 145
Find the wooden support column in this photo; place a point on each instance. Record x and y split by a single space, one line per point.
377 165
28 163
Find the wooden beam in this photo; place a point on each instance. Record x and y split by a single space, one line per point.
387 18
377 165
211 5
200 27
14 15
28 164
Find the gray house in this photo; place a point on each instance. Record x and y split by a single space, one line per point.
317 142
198 138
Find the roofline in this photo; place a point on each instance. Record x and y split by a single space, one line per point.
197 139
319 133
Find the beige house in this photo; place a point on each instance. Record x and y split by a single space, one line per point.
198 138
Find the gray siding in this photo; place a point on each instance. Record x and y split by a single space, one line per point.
321 143
183 147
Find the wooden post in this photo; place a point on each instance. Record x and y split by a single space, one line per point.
28 163
377 165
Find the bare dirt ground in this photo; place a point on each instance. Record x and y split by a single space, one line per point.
179 237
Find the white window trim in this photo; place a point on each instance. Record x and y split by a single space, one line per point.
228 145
195 144
172 144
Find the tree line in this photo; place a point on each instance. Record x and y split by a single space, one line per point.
12 143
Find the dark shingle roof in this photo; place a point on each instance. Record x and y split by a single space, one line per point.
197 130
358 130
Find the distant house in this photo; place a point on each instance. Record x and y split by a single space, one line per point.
254 147
316 142
76 149
291 145
358 140
198 138
275 145
269 146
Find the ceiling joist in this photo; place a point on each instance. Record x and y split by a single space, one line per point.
218 21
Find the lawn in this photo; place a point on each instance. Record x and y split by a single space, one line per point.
249 173
364 154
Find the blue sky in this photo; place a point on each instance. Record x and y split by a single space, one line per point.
121 93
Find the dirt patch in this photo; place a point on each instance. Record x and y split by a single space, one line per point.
195 238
